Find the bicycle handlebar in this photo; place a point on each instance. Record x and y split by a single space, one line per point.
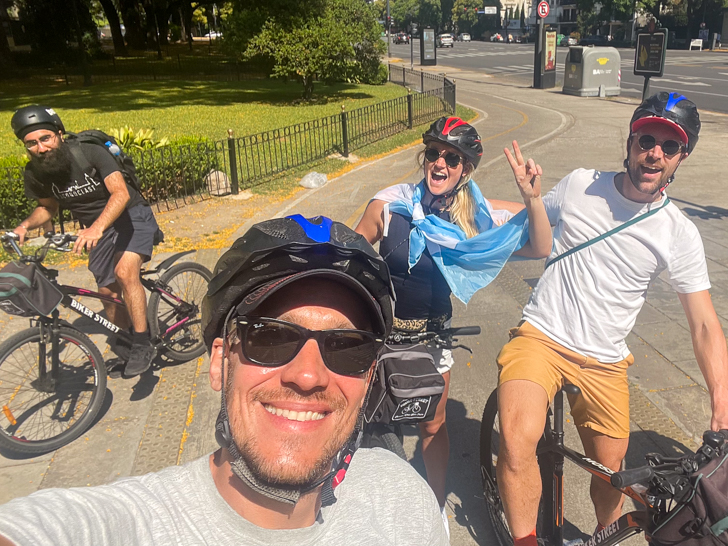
625 478
464 331
57 241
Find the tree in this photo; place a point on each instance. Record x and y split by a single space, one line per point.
341 43
465 14
112 16
430 13
6 58
523 16
404 12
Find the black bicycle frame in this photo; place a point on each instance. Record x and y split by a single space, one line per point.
551 453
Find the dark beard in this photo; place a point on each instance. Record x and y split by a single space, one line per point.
54 164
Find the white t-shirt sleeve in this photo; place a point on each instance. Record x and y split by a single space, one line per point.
499 216
686 267
554 200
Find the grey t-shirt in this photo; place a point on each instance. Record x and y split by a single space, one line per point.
381 501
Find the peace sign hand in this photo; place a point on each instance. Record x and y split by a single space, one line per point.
527 174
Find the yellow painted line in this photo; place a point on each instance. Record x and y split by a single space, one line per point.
523 122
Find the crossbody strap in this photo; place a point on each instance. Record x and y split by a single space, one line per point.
607 234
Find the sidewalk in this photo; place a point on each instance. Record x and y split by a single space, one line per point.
167 417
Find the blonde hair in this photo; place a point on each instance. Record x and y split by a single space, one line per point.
463 208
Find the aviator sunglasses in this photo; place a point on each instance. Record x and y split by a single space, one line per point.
273 343
452 159
669 147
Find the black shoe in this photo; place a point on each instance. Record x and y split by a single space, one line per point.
140 359
121 347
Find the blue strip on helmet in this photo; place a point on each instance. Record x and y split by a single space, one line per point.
321 233
672 101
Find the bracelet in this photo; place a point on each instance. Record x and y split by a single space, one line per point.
22 226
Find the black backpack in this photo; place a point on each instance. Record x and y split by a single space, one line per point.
99 138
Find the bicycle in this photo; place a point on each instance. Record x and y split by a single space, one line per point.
53 377
388 435
655 486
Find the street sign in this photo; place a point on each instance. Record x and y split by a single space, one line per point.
490 10
543 9
649 59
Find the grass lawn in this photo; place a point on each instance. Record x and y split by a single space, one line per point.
175 109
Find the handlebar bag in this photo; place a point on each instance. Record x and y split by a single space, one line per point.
26 292
407 386
701 517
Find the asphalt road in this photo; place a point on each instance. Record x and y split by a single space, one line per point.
700 75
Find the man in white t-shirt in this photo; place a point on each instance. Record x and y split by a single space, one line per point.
294 319
586 302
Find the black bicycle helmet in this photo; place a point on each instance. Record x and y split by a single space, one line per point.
671 109
32 118
458 134
278 248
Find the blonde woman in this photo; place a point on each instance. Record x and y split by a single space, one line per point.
427 233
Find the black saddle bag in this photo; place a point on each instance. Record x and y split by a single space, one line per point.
407 386
26 292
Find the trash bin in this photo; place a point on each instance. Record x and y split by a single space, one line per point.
588 69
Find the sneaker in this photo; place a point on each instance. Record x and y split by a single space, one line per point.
140 359
121 347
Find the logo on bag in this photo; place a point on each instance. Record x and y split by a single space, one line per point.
412 409
10 308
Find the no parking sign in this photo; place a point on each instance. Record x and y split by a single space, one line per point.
543 9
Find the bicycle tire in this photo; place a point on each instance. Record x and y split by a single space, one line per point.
186 342
33 421
382 436
489 443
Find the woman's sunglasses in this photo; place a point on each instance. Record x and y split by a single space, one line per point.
669 147
273 343
452 159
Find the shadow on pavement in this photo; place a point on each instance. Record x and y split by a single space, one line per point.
704 212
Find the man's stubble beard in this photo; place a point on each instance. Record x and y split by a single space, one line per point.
283 472
633 170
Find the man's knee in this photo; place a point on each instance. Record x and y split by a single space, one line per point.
522 409
127 271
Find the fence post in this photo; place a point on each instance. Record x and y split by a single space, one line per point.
65 73
389 72
179 62
113 60
422 81
345 131
409 109
404 77
453 104
232 156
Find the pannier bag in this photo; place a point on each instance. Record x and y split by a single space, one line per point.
26 292
701 517
406 388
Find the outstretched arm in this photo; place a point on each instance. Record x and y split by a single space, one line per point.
371 225
710 350
528 179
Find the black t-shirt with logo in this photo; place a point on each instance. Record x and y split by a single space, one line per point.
82 193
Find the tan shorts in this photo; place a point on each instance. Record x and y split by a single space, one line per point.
604 401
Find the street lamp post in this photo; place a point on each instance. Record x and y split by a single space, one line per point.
389 27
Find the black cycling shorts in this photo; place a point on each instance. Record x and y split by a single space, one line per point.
134 231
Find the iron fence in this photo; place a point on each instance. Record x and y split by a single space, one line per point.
174 176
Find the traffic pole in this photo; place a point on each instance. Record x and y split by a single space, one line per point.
646 88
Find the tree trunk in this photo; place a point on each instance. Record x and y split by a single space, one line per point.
308 87
135 32
6 57
112 16
163 23
187 18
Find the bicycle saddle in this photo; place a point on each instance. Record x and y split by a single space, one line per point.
568 388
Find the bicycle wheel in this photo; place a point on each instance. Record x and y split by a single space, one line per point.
377 435
174 310
489 445
38 417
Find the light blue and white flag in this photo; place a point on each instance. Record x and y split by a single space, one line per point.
467 264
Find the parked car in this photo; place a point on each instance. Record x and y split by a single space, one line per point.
496 38
594 41
463 37
445 40
213 35
402 38
568 41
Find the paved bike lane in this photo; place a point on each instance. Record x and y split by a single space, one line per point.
167 417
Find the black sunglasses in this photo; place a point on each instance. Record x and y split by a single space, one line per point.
452 159
273 343
669 147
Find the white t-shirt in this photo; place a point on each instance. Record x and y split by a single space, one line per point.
589 301
382 501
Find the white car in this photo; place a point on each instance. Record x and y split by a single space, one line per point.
464 37
213 35
445 40
496 38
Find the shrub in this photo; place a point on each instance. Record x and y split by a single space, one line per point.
176 170
143 139
14 207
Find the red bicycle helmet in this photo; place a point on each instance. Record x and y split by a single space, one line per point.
458 134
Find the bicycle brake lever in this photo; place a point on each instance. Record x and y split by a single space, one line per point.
461 347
